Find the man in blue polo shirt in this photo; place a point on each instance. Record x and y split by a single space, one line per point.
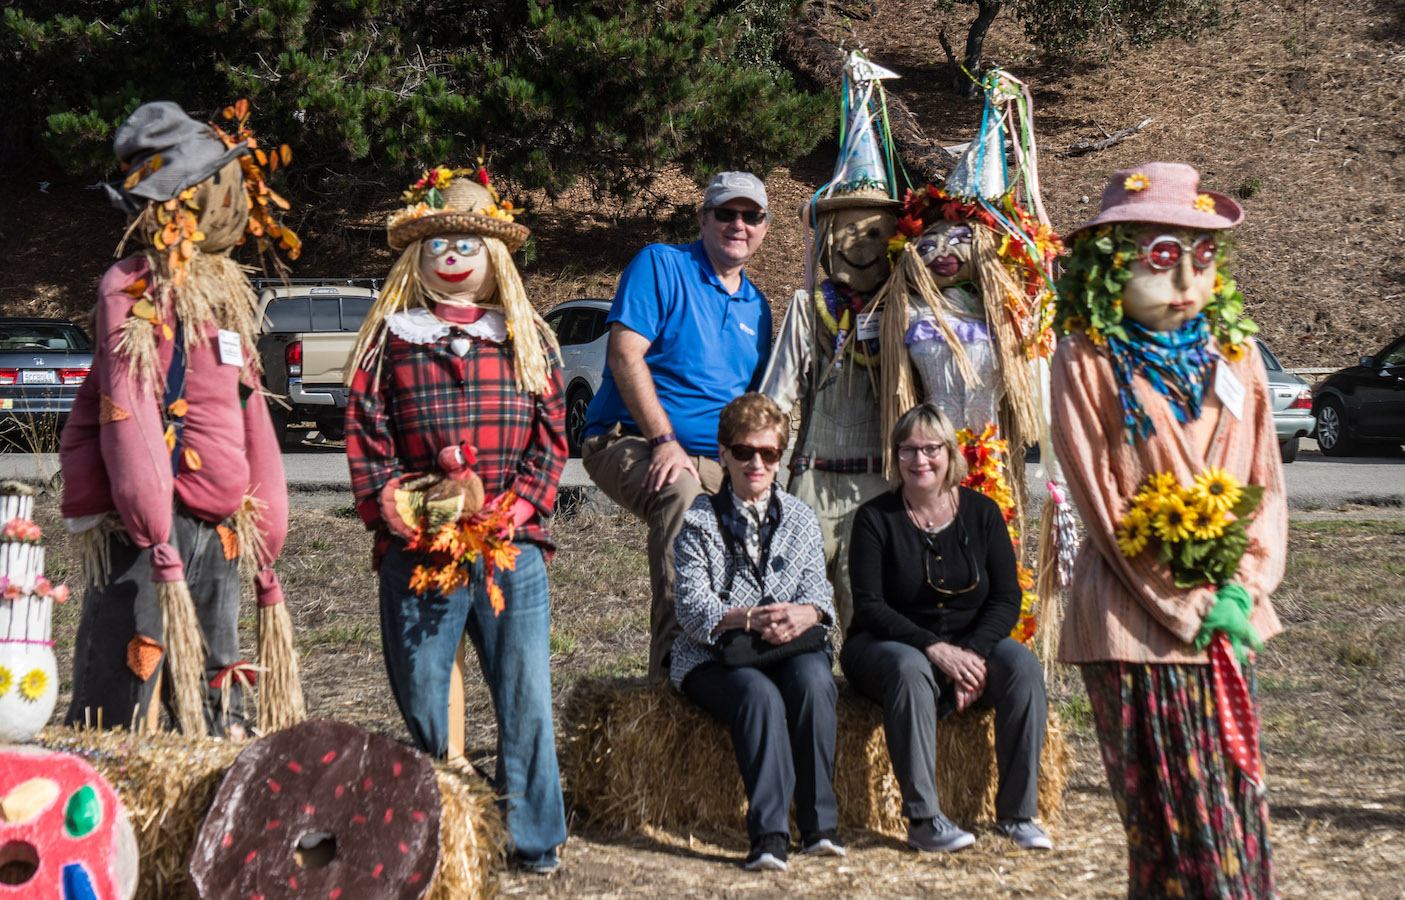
688 332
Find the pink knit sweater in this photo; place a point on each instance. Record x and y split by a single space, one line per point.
1130 609
114 456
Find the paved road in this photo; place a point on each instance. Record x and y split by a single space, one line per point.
320 479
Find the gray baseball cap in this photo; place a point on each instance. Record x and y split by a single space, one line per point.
189 150
734 186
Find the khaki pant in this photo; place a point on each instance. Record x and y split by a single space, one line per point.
618 463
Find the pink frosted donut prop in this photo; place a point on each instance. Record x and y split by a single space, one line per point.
324 810
63 832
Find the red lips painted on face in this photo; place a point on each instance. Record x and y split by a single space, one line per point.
946 265
452 278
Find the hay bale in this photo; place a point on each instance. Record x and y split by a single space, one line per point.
639 756
167 783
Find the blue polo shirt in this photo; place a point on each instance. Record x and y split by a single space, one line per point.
707 345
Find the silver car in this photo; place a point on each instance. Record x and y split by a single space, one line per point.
1292 404
42 364
580 329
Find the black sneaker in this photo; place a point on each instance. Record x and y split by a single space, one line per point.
768 853
822 843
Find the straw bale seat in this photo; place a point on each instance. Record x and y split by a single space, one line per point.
167 782
638 756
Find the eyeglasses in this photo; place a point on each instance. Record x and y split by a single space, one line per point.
1164 252
908 453
726 215
743 453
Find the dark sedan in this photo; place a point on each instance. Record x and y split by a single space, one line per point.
42 363
1363 405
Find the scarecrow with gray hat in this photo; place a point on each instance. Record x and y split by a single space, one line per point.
688 333
173 480
826 353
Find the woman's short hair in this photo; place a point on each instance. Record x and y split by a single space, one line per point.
928 418
752 411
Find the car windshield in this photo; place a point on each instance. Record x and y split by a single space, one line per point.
42 336
1270 361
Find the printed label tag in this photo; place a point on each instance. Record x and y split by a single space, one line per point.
231 348
867 329
1229 389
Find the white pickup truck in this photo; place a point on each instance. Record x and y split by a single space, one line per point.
309 328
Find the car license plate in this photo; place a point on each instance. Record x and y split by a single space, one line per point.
39 376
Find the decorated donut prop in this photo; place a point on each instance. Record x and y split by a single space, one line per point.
324 810
63 832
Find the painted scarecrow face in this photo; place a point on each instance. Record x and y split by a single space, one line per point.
224 209
1172 278
857 254
946 248
458 266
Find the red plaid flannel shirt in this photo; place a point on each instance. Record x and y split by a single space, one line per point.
427 398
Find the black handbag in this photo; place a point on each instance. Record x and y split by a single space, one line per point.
737 647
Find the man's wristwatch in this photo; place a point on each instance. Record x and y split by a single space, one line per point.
667 437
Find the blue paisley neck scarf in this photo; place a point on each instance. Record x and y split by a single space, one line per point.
1177 364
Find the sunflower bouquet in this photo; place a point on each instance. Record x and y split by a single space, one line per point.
1198 529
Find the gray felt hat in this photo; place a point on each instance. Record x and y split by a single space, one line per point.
189 151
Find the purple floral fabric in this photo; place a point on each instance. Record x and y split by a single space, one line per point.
1196 827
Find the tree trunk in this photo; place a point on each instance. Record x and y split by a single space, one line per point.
961 83
815 59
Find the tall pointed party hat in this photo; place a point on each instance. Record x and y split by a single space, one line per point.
863 174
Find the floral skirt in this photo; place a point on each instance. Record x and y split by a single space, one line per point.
1195 826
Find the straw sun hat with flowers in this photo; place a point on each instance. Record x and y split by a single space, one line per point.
459 201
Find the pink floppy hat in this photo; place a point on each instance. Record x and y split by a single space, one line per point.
1164 194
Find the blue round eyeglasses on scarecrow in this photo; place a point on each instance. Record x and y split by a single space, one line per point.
1164 252
464 246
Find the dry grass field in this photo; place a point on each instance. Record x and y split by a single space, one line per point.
1331 688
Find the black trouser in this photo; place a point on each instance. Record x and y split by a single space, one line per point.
904 681
127 606
782 720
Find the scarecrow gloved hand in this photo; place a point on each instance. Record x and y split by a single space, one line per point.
1230 614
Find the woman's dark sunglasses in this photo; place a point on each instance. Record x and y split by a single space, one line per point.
727 216
743 453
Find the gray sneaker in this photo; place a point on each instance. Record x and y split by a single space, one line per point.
938 835
1026 834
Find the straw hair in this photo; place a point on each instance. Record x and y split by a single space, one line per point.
1049 616
405 289
167 782
899 391
185 655
638 756
998 290
928 419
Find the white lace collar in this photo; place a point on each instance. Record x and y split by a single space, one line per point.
420 326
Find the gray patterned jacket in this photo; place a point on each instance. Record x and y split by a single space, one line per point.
796 574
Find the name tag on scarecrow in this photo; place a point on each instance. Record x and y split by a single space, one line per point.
231 348
867 329
1229 389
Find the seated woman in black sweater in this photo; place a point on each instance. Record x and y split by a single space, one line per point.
936 594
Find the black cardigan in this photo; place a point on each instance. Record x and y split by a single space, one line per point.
892 599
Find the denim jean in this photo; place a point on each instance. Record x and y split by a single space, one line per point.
419 637
126 606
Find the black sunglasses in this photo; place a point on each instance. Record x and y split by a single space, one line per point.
727 215
744 452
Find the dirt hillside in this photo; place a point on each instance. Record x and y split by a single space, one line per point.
1299 104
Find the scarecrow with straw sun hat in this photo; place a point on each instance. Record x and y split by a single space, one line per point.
1164 424
173 479
456 443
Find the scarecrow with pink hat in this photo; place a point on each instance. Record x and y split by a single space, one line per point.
1164 425
456 440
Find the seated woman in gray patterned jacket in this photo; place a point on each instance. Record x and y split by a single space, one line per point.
756 610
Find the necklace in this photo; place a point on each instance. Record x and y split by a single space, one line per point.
943 518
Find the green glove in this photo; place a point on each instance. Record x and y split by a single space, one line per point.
1230 614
